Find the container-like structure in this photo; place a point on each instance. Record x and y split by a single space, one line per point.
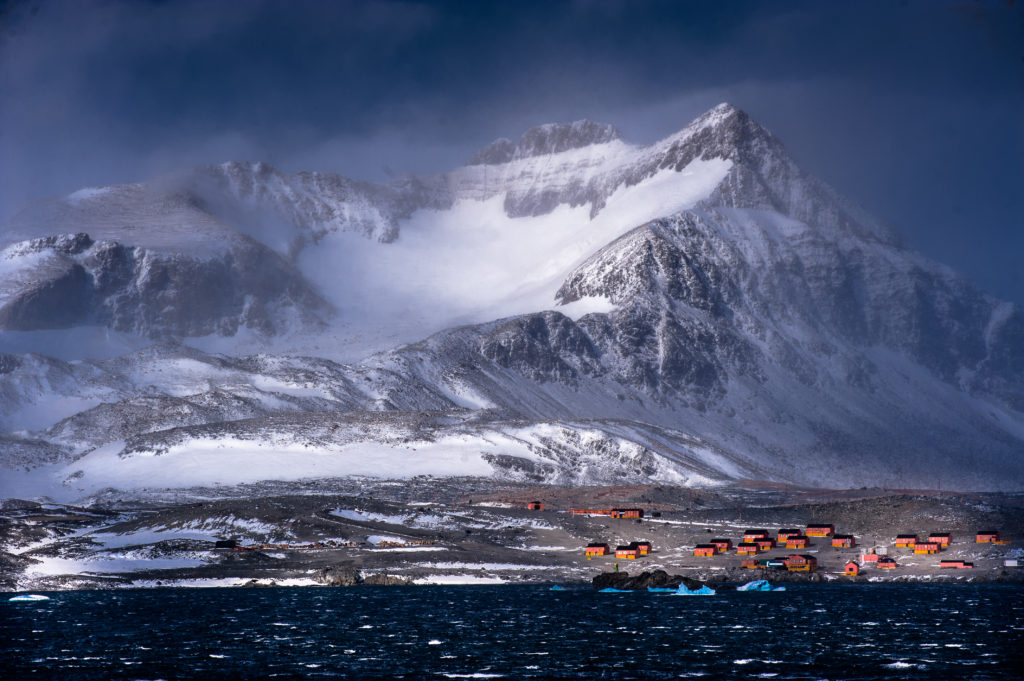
956 564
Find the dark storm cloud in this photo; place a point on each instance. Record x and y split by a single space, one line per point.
912 108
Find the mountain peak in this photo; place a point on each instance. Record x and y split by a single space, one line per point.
542 140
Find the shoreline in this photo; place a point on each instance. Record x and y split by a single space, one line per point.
434 534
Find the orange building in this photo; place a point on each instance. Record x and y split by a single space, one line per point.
596 549
627 552
785 534
852 569
747 548
798 542
958 564
802 563
706 550
845 541
644 547
905 541
925 547
820 530
722 545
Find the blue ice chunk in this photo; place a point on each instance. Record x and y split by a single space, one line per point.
703 591
756 585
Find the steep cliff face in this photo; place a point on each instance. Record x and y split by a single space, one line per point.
76 281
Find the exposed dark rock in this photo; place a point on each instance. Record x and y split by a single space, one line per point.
338 576
66 299
640 582
497 152
385 580
543 346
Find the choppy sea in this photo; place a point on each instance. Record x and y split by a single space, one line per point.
810 631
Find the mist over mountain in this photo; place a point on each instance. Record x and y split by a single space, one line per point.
565 308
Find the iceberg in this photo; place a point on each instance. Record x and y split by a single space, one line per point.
756 585
703 591
30 597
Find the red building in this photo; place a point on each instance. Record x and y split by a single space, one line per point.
707 550
747 548
958 564
766 544
627 513
869 557
722 545
887 564
820 530
535 506
596 549
925 547
802 563
986 537
905 541
943 539
844 541
644 547
754 535
798 542
628 552
852 569
787 533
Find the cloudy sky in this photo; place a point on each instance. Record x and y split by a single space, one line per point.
913 109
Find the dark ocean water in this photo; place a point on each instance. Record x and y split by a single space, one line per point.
811 631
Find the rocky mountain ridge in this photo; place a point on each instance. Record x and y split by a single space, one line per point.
754 324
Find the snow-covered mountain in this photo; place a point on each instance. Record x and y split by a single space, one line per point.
567 307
